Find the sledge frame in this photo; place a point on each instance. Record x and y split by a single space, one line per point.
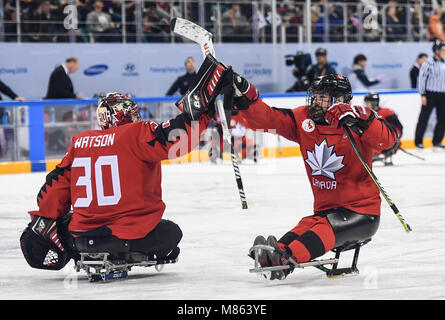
98 266
321 264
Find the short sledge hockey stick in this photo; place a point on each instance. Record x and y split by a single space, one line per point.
374 178
201 36
411 154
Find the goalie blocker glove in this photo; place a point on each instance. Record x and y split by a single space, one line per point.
355 117
47 229
202 93
41 245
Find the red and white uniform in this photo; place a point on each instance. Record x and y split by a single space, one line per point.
113 177
390 116
336 176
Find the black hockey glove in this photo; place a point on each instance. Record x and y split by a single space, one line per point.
47 229
245 92
41 246
210 82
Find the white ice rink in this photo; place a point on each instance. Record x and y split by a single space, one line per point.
203 200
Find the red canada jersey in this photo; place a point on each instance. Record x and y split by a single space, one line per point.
390 116
336 175
113 177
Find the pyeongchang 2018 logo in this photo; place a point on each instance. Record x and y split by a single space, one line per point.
14 70
95 70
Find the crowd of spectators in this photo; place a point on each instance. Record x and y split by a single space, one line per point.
234 21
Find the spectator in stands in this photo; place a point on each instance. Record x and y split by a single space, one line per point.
294 22
155 26
353 24
44 26
83 8
416 20
414 72
60 85
115 11
317 24
394 29
183 82
235 27
10 22
357 77
99 23
435 25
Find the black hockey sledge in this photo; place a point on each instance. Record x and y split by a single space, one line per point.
99 266
331 272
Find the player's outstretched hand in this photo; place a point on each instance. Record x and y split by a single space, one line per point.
355 117
245 92
210 81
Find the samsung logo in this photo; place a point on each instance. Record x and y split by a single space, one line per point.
95 70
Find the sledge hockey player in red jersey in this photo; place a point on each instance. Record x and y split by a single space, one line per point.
244 147
112 180
346 200
372 100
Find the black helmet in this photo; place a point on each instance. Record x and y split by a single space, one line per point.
438 44
374 99
335 85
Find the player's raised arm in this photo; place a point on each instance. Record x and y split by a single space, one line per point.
258 114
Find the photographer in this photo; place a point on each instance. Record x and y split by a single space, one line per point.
322 67
301 62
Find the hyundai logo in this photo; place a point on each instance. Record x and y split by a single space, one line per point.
95 70
130 67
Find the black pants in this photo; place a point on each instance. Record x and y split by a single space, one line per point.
160 241
350 227
434 100
163 239
326 230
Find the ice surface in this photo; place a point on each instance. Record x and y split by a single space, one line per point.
203 200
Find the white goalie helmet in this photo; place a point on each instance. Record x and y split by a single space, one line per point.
116 109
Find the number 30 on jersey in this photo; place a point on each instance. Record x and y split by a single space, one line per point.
102 199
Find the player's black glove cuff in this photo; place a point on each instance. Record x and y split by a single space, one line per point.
245 92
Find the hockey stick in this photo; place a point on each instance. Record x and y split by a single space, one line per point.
411 154
195 33
374 178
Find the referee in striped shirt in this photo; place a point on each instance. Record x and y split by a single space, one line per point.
431 86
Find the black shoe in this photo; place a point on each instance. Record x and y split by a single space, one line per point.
262 257
420 146
276 259
173 255
439 146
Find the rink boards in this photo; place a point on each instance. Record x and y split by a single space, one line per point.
406 104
